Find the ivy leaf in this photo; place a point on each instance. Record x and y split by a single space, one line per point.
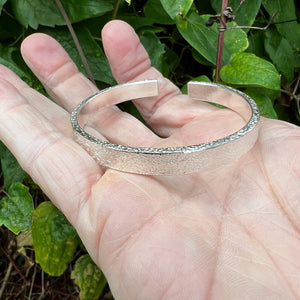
16 209
45 12
281 53
12 172
95 56
245 15
89 278
54 239
247 69
155 11
284 20
263 102
177 8
205 39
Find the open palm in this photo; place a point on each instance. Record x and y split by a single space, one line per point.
232 232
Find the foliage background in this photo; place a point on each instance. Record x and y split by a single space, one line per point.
40 253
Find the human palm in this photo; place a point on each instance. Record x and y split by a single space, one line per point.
232 232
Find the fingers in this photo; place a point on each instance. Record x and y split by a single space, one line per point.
62 168
52 112
52 65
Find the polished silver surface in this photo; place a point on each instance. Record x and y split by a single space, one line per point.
169 160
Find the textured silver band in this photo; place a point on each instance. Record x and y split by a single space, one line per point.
171 160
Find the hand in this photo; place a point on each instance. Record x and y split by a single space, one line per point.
229 233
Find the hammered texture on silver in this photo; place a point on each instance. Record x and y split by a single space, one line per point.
172 160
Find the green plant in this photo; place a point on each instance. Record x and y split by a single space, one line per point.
257 51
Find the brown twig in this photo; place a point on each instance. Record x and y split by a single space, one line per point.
254 27
116 8
8 271
14 265
222 28
32 281
74 36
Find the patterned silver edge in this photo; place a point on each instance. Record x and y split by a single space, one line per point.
88 141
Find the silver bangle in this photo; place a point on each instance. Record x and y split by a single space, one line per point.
171 160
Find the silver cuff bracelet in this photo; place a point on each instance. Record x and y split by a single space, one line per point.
170 160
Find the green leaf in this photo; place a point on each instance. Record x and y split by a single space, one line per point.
247 69
6 59
12 172
177 8
16 209
154 10
140 24
11 58
54 239
245 15
45 12
199 58
281 53
286 20
2 2
89 278
205 39
94 54
263 102
154 48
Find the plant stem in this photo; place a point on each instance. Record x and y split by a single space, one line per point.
222 28
8 271
239 6
13 264
32 282
77 44
254 27
116 8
